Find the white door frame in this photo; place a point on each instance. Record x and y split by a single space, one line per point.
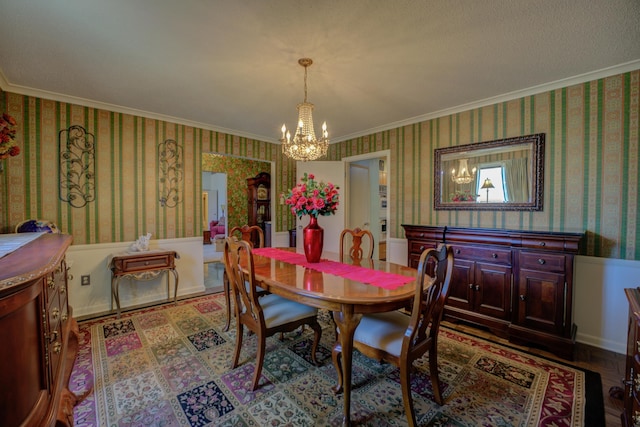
383 154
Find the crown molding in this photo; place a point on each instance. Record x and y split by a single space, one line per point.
545 87
59 97
521 93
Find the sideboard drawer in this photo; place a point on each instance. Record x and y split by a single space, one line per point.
482 254
419 246
543 243
543 260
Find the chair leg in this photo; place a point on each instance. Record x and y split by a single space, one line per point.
227 299
259 360
433 373
336 357
405 385
236 355
317 329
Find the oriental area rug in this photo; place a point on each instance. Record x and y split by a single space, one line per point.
170 365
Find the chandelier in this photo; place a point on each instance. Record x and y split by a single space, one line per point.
304 145
463 176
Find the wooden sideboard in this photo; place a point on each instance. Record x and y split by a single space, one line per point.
631 415
38 334
518 284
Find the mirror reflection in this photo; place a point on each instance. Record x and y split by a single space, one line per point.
495 175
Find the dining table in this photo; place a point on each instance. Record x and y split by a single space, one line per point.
348 288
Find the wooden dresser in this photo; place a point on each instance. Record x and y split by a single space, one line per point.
38 335
519 284
631 415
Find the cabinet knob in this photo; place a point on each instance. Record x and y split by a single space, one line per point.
542 244
522 298
57 347
471 286
53 336
421 248
64 317
541 261
494 255
146 263
457 251
55 313
50 283
477 288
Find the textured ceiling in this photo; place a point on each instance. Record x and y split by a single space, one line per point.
232 65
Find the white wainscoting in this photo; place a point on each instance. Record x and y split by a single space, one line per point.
600 308
96 298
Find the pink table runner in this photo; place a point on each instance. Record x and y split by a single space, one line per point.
381 279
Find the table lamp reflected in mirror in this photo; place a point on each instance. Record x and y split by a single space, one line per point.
487 184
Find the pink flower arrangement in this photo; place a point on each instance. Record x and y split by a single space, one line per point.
310 197
8 146
463 196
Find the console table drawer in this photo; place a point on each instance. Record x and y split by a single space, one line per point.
542 260
128 265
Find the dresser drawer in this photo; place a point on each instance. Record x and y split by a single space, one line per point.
543 261
482 254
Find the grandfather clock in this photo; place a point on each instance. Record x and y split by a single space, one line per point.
259 192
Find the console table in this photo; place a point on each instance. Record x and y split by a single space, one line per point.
142 266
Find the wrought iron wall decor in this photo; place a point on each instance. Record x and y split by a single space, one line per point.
170 173
77 166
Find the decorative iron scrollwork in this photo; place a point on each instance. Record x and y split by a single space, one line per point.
77 166
170 172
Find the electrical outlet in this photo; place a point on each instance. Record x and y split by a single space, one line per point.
85 280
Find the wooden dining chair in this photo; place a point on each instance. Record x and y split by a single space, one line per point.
249 233
266 315
401 339
246 233
354 237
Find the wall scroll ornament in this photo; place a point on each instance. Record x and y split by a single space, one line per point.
170 172
77 166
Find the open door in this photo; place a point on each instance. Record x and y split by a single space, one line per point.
333 172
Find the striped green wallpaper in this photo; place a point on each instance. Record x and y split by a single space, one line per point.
591 167
591 163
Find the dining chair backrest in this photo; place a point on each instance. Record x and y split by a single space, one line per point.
242 284
249 233
354 238
433 280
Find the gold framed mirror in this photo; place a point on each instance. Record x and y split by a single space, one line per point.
505 174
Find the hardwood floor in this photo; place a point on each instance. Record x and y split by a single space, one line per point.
608 364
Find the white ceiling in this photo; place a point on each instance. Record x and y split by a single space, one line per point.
232 65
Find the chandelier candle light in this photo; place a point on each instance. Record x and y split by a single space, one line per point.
463 176
304 145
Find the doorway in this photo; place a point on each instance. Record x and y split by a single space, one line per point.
367 195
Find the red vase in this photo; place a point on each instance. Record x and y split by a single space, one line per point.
313 239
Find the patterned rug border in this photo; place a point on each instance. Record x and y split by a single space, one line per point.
593 404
